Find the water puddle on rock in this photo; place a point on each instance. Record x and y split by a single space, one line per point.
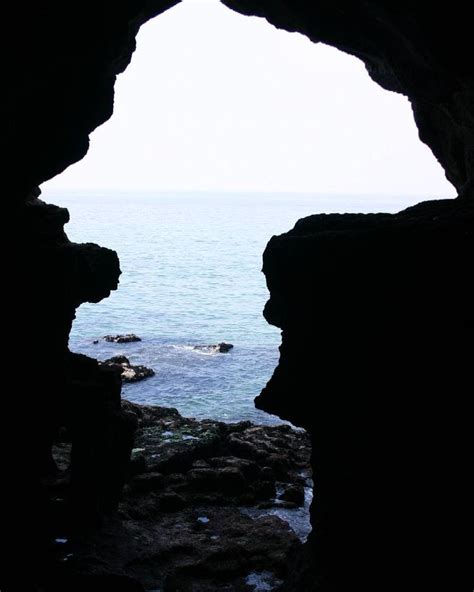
298 519
262 581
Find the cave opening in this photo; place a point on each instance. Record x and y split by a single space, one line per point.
140 218
241 123
376 317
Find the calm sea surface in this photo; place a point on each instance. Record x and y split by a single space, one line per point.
191 274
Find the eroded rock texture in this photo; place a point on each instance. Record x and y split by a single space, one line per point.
376 311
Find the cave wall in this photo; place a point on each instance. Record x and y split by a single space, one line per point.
376 311
376 363
63 62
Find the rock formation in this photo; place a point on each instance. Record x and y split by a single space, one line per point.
128 372
377 322
199 509
128 338
376 311
221 348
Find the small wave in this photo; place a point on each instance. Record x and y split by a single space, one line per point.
201 350
181 347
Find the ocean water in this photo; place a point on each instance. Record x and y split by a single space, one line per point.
191 275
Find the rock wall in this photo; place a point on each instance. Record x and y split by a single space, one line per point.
50 391
60 79
376 311
377 322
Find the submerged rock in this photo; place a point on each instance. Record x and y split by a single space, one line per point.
128 338
221 348
128 372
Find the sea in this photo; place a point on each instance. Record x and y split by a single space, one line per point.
191 275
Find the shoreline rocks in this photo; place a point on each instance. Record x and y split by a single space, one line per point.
128 372
185 519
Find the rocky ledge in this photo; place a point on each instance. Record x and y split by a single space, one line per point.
199 511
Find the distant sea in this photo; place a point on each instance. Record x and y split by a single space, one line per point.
191 275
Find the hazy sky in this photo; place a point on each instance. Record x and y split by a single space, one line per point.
217 101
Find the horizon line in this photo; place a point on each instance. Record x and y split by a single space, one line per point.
276 192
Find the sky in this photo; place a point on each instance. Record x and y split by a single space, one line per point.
217 101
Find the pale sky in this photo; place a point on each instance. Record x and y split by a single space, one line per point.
217 101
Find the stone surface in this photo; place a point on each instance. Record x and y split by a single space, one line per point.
49 278
128 338
377 322
182 527
293 494
199 461
128 372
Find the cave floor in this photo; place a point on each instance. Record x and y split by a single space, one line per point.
198 511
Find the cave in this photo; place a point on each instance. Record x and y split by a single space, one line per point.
376 310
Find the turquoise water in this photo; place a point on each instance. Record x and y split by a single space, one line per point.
191 274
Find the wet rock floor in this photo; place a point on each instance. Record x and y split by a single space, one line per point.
203 507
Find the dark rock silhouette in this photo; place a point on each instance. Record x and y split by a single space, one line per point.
376 311
128 372
221 348
128 338
293 494
376 316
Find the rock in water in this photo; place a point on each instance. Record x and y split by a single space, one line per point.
224 347
293 494
128 338
136 373
128 372
221 348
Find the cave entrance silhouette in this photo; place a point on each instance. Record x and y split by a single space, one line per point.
172 125
228 462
